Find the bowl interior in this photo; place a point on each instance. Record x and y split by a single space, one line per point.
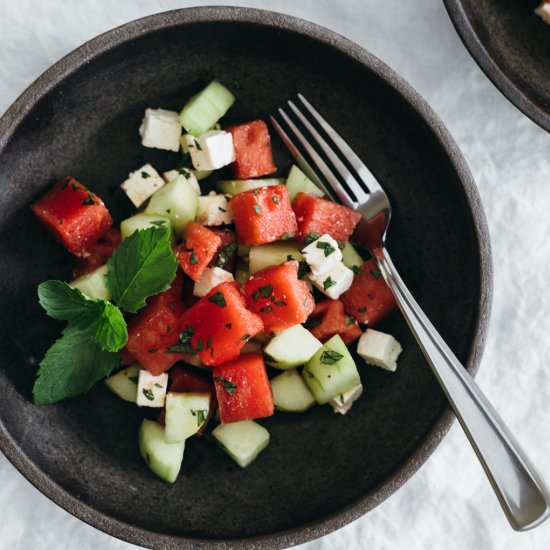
318 464
507 36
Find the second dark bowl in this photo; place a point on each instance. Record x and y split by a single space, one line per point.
512 46
321 470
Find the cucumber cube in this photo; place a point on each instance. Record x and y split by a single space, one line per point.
266 255
143 221
243 251
204 109
298 182
188 174
290 393
164 459
351 257
234 187
242 441
93 284
331 371
124 383
178 201
185 414
292 347
242 273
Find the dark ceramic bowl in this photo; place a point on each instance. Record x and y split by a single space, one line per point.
512 46
321 470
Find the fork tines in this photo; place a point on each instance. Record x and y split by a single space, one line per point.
329 153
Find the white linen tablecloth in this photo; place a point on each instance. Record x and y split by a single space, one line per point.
448 504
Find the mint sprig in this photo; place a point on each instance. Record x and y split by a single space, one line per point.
105 321
143 265
87 351
72 366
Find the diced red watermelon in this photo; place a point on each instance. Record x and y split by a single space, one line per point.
99 253
328 318
76 217
243 389
253 156
153 332
316 217
263 215
279 297
219 325
369 298
199 247
226 254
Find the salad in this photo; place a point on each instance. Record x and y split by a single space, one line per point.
217 308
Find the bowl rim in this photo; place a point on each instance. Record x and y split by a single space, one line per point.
323 525
505 84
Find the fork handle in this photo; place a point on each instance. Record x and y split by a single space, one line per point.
521 491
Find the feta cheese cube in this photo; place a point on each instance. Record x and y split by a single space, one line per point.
212 276
334 282
211 150
188 174
141 184
342 403
214 210
161 129
379 349
151 390
322 254
543 11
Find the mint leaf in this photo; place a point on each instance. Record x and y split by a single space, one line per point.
72 366
111 333
63 302
143 265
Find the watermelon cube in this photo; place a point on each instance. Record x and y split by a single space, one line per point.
369 298
278 297
242 389
263 215
253 156
75 217
316 217
328 318
199 247
153 333
219 325
99 253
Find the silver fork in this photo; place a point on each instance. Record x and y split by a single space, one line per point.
520 489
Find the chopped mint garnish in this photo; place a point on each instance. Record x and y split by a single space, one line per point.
330 357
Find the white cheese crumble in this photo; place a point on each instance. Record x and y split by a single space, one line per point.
141 184
379 349
151 389
322 254
214 210
334 282
342 403
161 129
211 150
212 277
